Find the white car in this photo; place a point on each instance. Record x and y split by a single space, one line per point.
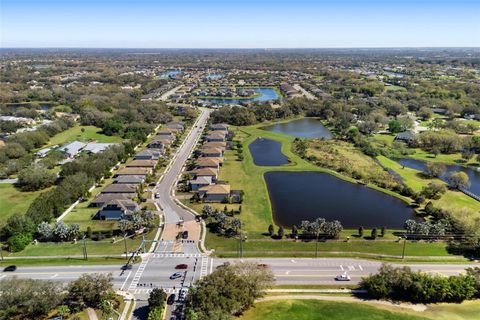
157 195
343 277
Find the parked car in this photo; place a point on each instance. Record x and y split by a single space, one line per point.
181 266
10 269
185 234
157 195
171 299
181 295
176 275
343 277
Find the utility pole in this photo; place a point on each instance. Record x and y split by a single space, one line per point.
85 256
404 244
1 251
125 242
241 242
316 245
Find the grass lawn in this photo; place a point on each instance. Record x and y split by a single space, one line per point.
319 310
14 201
468 310
91 133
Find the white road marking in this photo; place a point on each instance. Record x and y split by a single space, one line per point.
1 277
211 265
341 267
126 279
293 261
360 267
351 268
287 272
54 276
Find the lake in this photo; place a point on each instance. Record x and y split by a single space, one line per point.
473 174
297 196
267 152
265 94
301 128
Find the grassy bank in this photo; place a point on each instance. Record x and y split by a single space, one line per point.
14 201
319 310
89 133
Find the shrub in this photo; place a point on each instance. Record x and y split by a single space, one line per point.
18 242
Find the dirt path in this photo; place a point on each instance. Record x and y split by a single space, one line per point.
415 307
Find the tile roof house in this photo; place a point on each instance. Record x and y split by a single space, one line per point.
215 137
211 152
207 163
156 144
215 192
199 182
130 179
134 171
219 127
205 172
117 210
219 144
406 136
103 198
142 164
92 147
120 188
148 154
166 132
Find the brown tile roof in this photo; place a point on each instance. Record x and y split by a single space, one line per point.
134 171
142 163
211 150
215 144
205 172
216 189
207 162
103 198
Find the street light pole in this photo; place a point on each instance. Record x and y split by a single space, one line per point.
125 242
404 244
316 246
85 256
1 251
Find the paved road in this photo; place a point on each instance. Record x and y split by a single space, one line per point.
173 212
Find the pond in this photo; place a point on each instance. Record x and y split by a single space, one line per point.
301 128
473 174
297 196
267 152
265 94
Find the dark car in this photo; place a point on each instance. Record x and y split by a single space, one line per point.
181 266
185 234
171 299
176 275
10 269
127 267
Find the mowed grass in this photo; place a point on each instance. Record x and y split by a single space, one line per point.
90 133
320 310
14 201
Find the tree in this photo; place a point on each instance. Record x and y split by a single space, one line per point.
435 169
124 225
60 231
207 210
433 190
281 232
271 230
157 299
35 178
19 242
373 235
410 225
28 298
294 230
382 231
43 230
458 180
229 290
394 126
360 231
155 314
90 290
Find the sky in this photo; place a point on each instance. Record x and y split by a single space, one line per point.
239 23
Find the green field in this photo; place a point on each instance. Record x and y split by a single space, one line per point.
320 310
91 133
14 201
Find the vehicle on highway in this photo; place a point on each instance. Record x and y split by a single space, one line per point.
343 277
127 267
176 275
171 299
185 234
157 195
181 266
10 269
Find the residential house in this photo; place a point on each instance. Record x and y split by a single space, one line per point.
148 154
103 198
205 172
156 144
406 136
117 210
130 179
73 148
199 182
97 147
215 193
142 164
219 127
120 188
207 163
134 171
221 145
215 137
211 152
166 132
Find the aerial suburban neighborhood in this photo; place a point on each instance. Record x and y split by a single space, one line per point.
240 160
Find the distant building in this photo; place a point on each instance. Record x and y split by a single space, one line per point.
219 127
406 136
215 193
130 179
118 210
73 148
148 154
93 147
